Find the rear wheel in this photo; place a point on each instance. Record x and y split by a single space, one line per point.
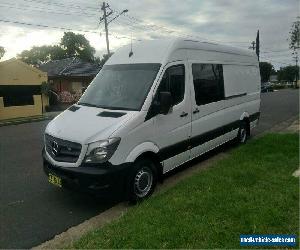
243 133
143 180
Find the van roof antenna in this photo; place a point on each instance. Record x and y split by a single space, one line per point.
131 52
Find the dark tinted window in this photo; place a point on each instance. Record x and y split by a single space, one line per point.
173 81
208 83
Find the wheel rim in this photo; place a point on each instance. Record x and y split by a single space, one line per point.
143 182
243 135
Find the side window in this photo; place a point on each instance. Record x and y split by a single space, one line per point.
173 81
208 83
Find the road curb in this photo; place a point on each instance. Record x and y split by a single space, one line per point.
73 234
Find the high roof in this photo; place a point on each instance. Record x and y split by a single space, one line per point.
70 67
155 51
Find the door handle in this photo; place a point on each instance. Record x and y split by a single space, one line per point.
183 114
196 111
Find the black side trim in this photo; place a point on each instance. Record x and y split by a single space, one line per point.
73 108
111 114
173 150
235 96
254 116
180 147
210 135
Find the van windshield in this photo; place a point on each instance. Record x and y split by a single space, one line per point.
123 87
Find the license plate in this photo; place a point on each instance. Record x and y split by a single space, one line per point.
55 180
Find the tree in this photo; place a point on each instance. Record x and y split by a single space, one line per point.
72 45
294 39
266 69
76 45
288 73
42 54
2 52
45 90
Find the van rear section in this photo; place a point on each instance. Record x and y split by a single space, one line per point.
150 109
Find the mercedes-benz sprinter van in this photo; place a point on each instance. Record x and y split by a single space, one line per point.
150 109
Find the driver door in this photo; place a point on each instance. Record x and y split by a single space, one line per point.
172 131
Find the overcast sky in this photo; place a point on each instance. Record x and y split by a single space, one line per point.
233 22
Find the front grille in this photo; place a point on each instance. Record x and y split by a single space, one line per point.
61 150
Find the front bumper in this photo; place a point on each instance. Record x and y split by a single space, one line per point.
103 179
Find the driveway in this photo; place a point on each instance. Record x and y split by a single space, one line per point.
32 211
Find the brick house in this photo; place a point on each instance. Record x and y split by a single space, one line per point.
68 77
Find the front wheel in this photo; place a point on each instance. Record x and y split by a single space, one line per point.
143 180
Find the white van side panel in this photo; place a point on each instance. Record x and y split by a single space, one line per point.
219 57
140 149
136 135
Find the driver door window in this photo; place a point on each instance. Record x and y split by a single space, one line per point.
173 82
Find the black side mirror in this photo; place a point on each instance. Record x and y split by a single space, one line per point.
165 101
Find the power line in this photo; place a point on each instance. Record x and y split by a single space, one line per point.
279 62
64 28
106 14
47 26
9 6
136 23
94 9
276 51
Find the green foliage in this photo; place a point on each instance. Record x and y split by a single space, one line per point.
288 73
45 88
2 52
71 45
41 54
76 45
295 35
265 71
252 191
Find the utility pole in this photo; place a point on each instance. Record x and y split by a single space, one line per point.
106 14
297 71
257 48
255 45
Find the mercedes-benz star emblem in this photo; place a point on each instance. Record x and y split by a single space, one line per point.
54 148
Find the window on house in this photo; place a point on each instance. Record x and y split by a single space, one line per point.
19 95
208 83
173 82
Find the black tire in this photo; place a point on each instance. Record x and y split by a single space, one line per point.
243 133
143 180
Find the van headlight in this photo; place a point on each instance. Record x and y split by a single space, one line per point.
101 151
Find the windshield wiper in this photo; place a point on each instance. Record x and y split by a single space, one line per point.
105 107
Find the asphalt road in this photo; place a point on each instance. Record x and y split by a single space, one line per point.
32 211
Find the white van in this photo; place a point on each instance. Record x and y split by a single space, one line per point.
149 110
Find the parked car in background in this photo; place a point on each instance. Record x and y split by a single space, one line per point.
267 87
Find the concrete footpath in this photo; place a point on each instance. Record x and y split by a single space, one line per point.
66 238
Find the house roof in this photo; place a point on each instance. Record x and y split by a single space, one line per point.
25 65
70 67
16 72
